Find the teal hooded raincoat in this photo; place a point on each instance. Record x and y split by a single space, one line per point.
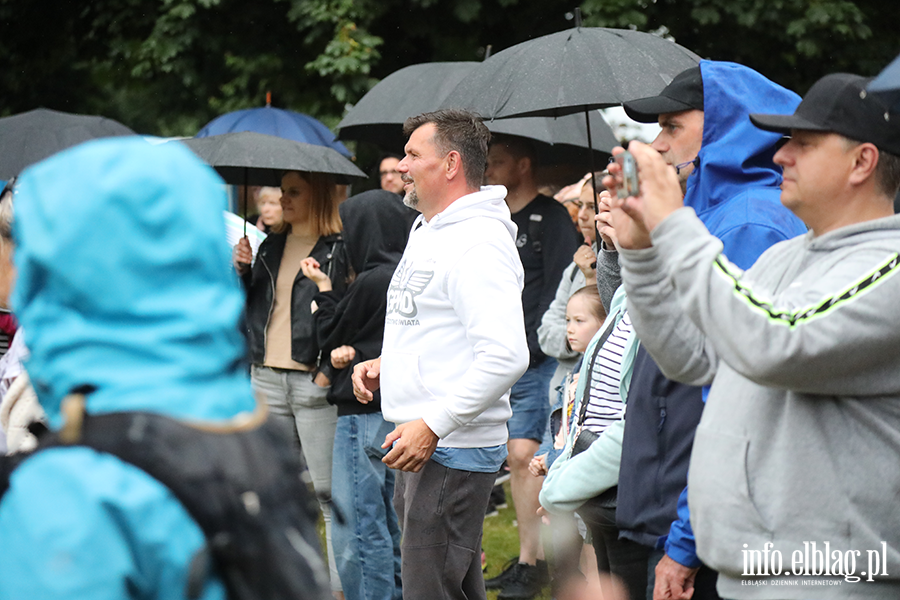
124 284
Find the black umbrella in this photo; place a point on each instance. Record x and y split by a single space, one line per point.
562 139
32 136
379 115
571 71
887 84
248 158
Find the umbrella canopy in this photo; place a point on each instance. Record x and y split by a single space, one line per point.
887 84
571 71
278 122
248 158
32 136
563 139
378 117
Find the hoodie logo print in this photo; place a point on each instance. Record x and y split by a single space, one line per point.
406 284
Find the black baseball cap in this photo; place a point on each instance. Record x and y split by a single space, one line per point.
685 92
839 103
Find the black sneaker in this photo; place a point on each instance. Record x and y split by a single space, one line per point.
525 582
496 583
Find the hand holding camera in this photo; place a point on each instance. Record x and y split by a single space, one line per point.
658 194
631 184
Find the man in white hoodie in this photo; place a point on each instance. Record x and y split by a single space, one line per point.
454 343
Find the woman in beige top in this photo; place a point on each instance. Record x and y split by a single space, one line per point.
280 333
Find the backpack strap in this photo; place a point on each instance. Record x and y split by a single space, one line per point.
239 481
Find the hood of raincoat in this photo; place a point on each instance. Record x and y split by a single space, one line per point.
376 226
125 283
735 155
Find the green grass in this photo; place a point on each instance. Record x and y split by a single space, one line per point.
501 542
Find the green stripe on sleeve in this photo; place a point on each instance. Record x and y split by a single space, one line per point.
799 316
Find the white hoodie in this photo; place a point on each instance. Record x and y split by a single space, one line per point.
454 336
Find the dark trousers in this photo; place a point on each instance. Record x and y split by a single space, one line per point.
625 559
704 582
441 514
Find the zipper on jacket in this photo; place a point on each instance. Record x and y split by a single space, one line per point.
661 402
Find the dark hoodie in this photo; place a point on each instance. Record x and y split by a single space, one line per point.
376 228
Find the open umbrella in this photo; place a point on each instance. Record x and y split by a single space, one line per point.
278 122
571 71
248 158
379 115
32 136
887 84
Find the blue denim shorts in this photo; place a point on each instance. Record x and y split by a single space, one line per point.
529 401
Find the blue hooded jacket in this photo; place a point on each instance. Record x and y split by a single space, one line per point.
124 284
735 192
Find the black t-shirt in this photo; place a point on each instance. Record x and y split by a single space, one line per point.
547 240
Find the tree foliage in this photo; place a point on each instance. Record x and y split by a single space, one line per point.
793 42
167 67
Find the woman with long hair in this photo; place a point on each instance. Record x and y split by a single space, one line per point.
284 354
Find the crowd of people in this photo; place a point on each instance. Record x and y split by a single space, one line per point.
694 386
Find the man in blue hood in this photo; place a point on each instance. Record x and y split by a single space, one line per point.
728 177
125 287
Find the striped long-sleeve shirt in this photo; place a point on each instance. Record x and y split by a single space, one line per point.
605 405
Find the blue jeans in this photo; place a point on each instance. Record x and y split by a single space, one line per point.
367 542
529 399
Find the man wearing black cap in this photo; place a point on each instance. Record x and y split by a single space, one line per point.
726 174
793 473
679 111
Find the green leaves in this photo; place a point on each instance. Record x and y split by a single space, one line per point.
169 66
347 59
793 42
621 14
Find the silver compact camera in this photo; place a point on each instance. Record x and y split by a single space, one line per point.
630 186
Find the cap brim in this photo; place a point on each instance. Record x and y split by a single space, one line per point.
784 123
647 110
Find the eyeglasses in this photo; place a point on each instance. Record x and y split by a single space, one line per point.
394 172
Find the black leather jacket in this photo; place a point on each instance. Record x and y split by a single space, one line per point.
260 285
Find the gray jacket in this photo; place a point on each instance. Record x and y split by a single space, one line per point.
800 438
